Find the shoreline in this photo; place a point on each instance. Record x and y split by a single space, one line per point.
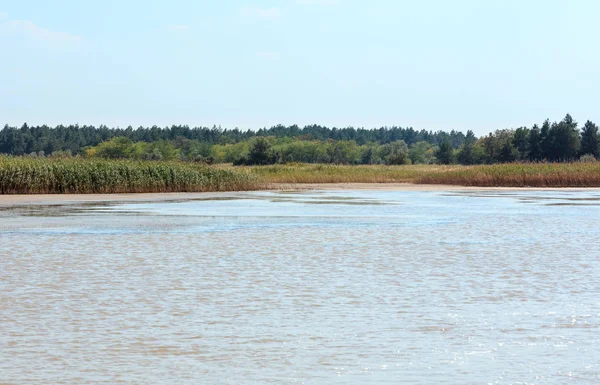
412 187
60 199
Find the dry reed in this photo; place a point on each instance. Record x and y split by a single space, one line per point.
56 176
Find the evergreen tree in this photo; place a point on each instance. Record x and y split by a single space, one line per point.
590 141
445 153
521 142
466 155
545 139
260 153
535 144
563 139
557 142
499 147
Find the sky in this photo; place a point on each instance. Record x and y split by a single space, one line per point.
428 64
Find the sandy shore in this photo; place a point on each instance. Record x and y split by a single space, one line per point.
59 199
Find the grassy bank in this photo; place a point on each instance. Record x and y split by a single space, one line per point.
326 173
81 176
75 175
501 175
519 175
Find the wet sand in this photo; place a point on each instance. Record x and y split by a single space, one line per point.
79 198
59 199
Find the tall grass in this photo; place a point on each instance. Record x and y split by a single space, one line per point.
578 174
57 176
327 173
75 175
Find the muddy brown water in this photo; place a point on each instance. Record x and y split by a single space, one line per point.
330 287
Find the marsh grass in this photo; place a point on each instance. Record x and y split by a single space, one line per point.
326 173
577 174
20 175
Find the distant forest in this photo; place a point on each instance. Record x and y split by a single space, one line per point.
549 141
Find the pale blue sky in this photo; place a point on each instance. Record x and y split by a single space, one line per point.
433 64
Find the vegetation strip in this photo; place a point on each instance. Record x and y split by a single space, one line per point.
576 174
19 175
563 141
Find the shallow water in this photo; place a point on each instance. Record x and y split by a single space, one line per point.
349 287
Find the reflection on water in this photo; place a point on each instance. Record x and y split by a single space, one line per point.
350 287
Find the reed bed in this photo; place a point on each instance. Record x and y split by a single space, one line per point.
20 175
81 176
327 173
577 174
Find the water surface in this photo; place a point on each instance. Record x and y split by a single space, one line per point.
333 287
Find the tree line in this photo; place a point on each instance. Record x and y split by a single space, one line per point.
74 138
556 142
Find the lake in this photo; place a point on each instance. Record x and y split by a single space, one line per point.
304 287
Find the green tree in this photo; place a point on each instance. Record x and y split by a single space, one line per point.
196 151
343 152
162 150
116 148
466 154
445 153
535 144
590 141
232 153
563 139
521 142
545 141
307 151
367 155
499 147
260 153
508 153
422 153
398 153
